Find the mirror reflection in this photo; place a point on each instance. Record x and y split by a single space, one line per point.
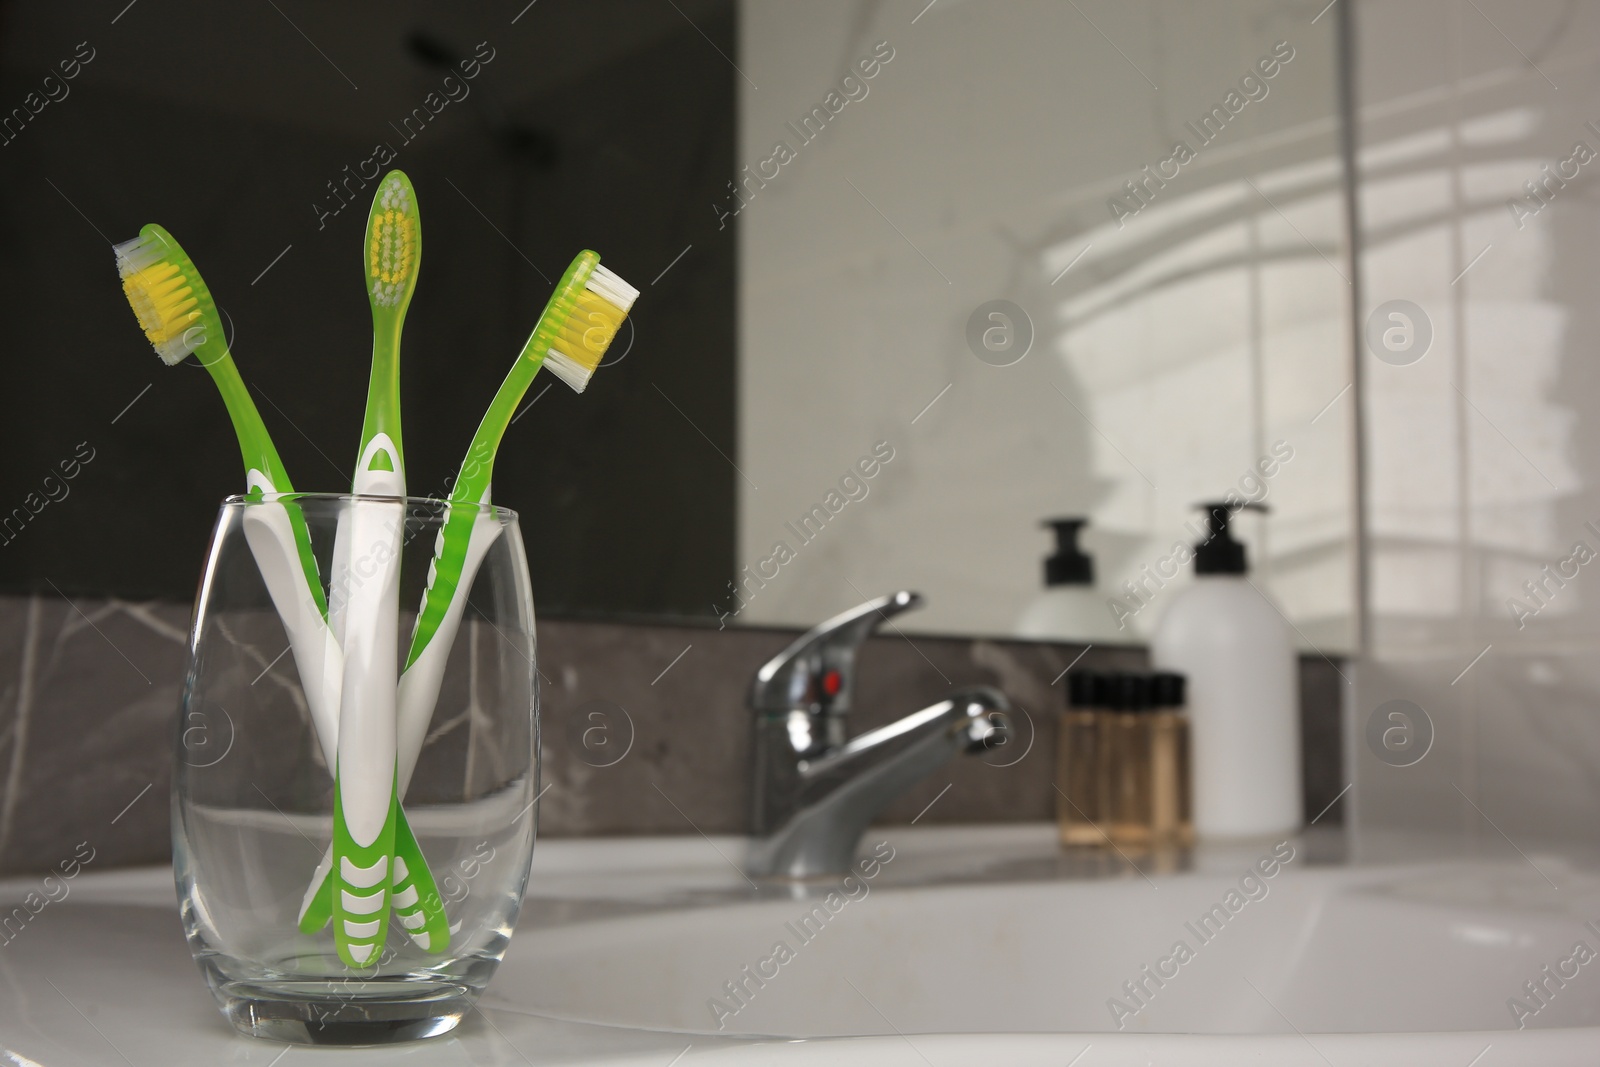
931 290
976 307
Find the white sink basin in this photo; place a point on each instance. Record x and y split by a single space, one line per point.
968 947
1315 961
1326 951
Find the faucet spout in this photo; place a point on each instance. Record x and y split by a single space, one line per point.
818 806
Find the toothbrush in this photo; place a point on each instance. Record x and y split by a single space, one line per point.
174 306
391 254
571 336
365 799
363 616
176 310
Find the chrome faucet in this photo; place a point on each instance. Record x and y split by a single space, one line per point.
815 792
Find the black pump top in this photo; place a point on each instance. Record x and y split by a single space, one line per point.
1069 566
1100 690
1126 691
1123 691
1220 553
1080 689
1167 689
1133 692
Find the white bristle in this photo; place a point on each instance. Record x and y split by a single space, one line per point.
174 352
393 195
392 264
137 254
567 369
172 345
606 284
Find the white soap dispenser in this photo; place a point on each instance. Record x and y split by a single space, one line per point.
1235 647
1068 609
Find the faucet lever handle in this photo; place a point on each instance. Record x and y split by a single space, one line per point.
816 673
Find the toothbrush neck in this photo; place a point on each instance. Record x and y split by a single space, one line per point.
383 404
257 452
472 481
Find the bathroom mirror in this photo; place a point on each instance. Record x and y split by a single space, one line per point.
1055 259
915 278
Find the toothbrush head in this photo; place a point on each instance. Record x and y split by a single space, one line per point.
168 296
393 248
581 320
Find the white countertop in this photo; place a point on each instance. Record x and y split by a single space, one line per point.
104 976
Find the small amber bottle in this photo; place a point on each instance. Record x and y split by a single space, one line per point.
1078 781
1126 763
1171 804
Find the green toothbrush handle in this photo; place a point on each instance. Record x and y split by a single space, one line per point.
308 560
361 877
427 923
446 576
264 471
414 896
470 491
472 483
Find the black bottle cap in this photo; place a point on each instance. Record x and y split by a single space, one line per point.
1168 689
1069 566
1113 695
1080 689
1220 553
1131 692
1100 687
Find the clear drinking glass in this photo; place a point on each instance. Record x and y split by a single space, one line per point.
253 794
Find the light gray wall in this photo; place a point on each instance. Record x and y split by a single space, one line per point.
1481 454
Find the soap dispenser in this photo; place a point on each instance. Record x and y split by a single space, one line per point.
1244 723
1068 608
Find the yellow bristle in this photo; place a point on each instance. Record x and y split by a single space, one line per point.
593 317
589 330
392 255
164 303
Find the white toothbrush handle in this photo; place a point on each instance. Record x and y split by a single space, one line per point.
366 748
416 696
418 691
270 534
419 685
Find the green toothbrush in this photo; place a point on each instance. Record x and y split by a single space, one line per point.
176 312
179 316
376 864
391 258
572 335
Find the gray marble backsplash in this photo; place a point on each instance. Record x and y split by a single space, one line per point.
644 726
